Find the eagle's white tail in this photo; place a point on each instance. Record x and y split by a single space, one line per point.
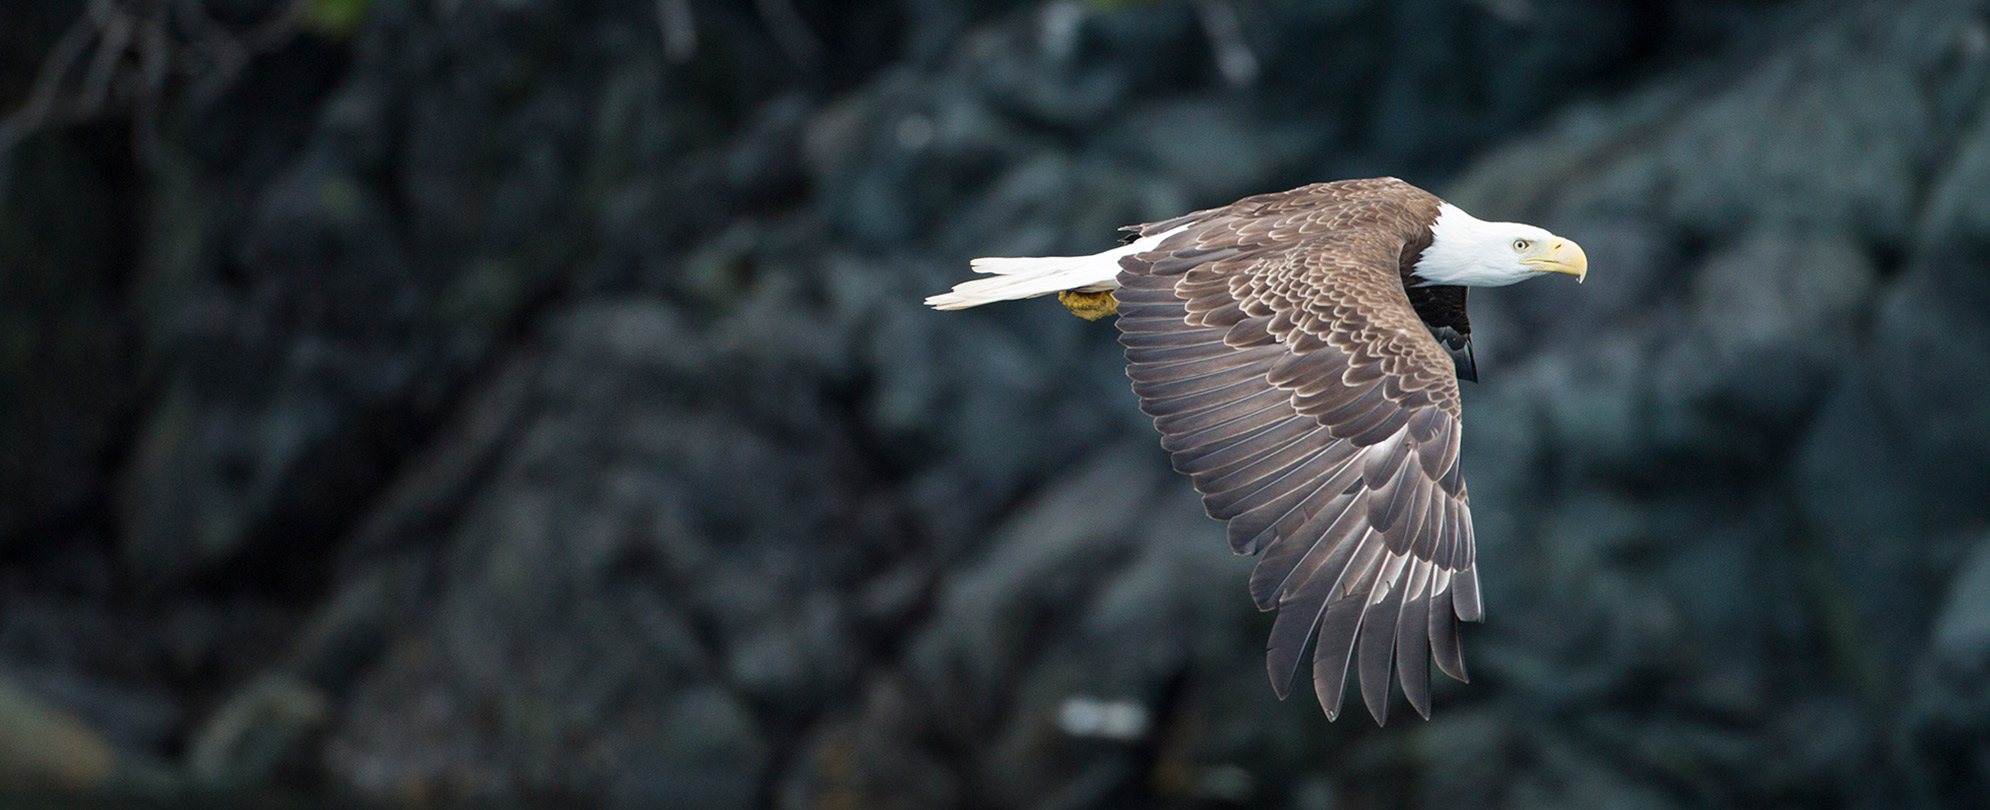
1029 277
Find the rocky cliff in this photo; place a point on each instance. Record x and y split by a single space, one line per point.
530 401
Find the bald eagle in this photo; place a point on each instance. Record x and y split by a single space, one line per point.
1300 353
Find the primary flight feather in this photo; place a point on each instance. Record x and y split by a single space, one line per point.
1300 353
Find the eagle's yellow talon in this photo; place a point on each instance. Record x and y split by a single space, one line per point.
1090 306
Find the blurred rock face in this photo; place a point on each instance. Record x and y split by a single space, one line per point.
502 401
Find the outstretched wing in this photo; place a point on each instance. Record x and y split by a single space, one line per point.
1291 379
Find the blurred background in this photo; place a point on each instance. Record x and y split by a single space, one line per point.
528 403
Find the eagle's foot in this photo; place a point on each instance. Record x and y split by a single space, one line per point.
1089 305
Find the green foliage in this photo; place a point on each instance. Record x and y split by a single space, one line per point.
333 19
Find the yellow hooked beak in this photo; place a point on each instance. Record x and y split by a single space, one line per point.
1561 256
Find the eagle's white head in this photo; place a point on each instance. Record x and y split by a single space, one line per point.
1472 252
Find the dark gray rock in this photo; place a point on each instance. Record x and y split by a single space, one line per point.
1768 332
591 533
1925 364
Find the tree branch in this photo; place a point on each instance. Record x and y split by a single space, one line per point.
128 52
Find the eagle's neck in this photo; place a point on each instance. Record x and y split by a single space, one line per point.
1466 251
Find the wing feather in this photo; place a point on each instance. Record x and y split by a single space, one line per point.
1445 649
1413 638
1231 426
1157 339
1193 421
1242 447
1297 494
1157 386
1326 548
1377 656
1334 653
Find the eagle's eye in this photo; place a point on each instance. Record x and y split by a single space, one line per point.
1520 244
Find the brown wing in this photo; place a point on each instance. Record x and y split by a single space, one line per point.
1274 346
